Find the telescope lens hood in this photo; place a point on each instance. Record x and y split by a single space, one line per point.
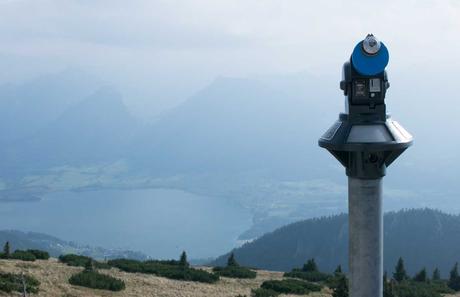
369 64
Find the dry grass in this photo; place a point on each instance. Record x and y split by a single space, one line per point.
54 275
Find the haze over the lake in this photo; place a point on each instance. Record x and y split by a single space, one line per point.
218 101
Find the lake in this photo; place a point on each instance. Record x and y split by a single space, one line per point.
158 222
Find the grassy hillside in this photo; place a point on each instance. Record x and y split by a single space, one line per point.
54 276
52 279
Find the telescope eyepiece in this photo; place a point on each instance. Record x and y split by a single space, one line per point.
371 45
364 80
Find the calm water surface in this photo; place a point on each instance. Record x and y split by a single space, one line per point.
158 222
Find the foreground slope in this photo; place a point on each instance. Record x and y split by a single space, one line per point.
54 275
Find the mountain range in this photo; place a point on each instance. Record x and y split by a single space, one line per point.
231 126
94 130
251 140
27 107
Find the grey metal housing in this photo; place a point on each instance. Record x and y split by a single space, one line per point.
364 148
365 140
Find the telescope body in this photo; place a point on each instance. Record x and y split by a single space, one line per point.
365 140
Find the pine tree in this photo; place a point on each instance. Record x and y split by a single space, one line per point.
310 266
388 290
338 270
421 276
183 260
6 250
454 271
385 284
454 280
231 262
400 272
341 290
436 274
89 265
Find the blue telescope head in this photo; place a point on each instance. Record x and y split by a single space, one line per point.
370 56
364 80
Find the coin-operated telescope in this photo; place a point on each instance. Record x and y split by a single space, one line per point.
366 141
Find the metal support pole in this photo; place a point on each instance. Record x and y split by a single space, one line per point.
365 237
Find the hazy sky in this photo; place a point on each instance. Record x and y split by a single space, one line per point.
159 52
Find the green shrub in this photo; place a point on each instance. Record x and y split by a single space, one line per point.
341 288
234 269
420 289
291 286
74 260
95 280
189 274
439 286
436 275
311 276
101 265
10 282
129 265
260 292
22 255
19 255
235 272
81 261
168 269
334 280
421 276
311 273
411 288
42 255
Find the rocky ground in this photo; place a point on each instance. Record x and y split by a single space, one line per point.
54 275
